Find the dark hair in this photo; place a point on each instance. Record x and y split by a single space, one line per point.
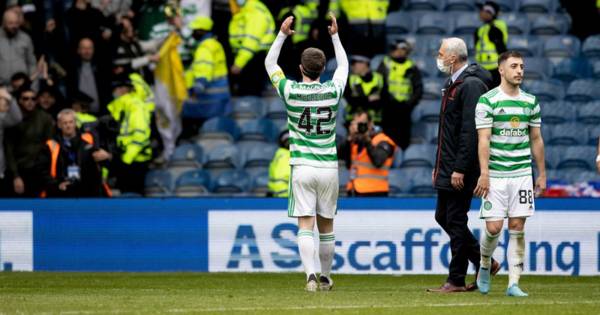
23 89
360 112
313 62
508 54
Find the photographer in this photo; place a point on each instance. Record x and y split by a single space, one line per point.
69 162
369 154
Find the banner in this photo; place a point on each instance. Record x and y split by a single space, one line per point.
16 241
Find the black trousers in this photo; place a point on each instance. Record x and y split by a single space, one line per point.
396 123
451 215
253 78
131 178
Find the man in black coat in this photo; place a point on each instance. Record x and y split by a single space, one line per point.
456 169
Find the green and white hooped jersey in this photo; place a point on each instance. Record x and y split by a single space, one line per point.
311 110
510 119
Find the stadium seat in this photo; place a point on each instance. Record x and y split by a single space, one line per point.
577 157
558 112
259 130
276 109
430 111
517 23
432 89
232 182
426 65
555 24
376 62
426 46
344 177
582 177
566 134
423 5
460 6
128 195
158 183
592 135
434 24
595 69
193 183
545 91
259 186
505 5
420 180
536 6
424 133
583 90
247 107
564 46
589 113
260 155
527 46
571 69
470 41
552 153
399 22
591 46
220 128
223 157
399 182
536 68
465 23
397 159
187 155
419 155
209 144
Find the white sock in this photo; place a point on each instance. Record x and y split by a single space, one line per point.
306 244
326 252
516 252
489 242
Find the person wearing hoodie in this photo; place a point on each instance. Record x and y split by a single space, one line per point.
457 168
10 115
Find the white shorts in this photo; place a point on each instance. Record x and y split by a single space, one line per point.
313 191
511 197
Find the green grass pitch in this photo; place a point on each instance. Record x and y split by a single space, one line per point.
267 293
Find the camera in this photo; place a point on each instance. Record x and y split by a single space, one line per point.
363 127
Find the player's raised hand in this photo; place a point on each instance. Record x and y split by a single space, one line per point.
286 26
333 28
483 186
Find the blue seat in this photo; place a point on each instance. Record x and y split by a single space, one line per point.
232 182
595 69
276 109
505 5
249 107
536 68
577 157
427 45
589 113
424 5
537 6
470 41
565 46
434 24
220 128
399 22
592 135
259 186
582 177
591 46
420 180
466 24
426 65
419 155
343 178
552 154
129 195
432 89
223 157
399 182
260 156
158 183
187 155
571 69
460 6
193 183
546 91
558 112
555 24
430 111
527 46
376 62
517 23
566 134
583 90
259 130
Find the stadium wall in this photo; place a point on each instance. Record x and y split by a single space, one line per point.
386 236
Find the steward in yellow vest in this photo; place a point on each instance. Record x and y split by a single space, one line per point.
403 90
364 90
279 169
371 157
490 39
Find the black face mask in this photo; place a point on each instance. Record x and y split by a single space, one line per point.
400 59
198 35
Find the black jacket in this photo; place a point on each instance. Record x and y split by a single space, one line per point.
457 138
90 182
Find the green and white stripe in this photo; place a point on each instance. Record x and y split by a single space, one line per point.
510 119
327 237
312 140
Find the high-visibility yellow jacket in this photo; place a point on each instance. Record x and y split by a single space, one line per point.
399 86
134 137
206 80
365 11
486 53
304 15
279 173
251 30
84 118
359 91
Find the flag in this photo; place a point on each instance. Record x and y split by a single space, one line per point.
170 92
